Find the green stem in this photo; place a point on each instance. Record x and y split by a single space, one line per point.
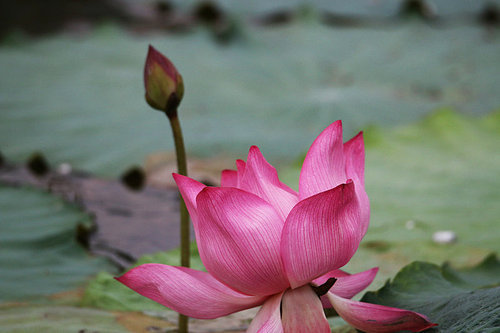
182 323
182 169
184 217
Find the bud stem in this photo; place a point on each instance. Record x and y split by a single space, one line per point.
180 153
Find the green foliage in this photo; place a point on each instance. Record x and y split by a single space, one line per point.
465 300
39 253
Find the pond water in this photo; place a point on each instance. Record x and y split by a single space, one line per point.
80 100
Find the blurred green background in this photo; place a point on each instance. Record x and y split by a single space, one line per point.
420 77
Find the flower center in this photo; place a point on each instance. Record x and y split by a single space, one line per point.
323 289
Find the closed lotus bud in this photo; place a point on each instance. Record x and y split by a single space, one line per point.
164 85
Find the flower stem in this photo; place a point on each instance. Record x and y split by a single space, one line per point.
184 217
182 169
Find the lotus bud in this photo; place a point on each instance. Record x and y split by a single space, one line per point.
164 85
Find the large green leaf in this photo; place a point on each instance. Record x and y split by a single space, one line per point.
465 300
39 253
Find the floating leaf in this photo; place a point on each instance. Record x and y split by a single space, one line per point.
465 300
40 255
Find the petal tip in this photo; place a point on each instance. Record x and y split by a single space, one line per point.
428 326
348 186
254 151
359 135
356 143
334 128
151 50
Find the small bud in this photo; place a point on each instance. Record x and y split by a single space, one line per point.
164 85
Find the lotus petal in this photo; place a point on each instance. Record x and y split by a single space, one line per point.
268 318
261 179
324 166
189 189
193 293
302 312
240 167
320 234
373 318
354 152
239 239
229 178
347 285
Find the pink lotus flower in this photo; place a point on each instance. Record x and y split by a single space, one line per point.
263 243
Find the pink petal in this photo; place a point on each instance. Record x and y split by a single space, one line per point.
354 152
324 166
346 285
187 291
335 273
323 278
189 189
268 318
239 240
364 206
232 178
349 286
261 179
240 167
320 234
378 318
302 312
229 178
